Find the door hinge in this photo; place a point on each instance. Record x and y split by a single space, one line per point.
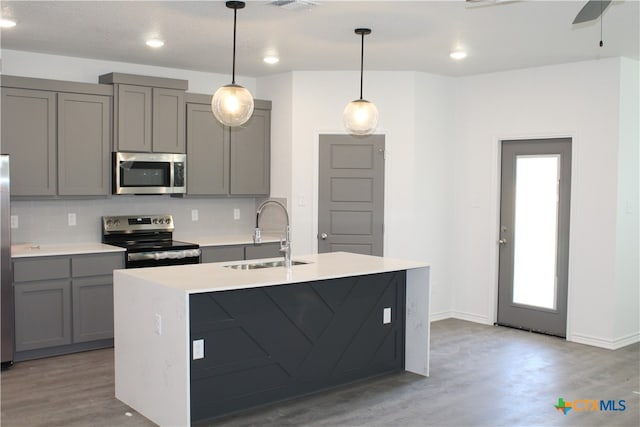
383 152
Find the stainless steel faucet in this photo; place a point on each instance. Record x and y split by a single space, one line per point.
285 244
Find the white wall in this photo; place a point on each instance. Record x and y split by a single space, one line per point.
580 100
626 307
416 173
44 66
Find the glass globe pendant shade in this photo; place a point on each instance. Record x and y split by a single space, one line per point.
232 105
360 117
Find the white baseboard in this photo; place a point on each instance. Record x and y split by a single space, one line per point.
434 317
604 342
470 317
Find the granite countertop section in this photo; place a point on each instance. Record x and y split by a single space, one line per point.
24 250
228 240
214 277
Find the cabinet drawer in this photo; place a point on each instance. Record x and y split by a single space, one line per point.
222 253
41 269
96 265
264 250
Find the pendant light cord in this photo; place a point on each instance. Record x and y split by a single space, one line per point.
361 63
233 71
601 44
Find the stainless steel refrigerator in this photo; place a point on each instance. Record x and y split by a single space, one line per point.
6 283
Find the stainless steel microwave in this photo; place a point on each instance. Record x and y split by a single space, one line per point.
149 173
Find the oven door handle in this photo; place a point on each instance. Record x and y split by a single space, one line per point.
144 256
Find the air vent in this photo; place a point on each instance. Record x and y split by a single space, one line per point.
294 4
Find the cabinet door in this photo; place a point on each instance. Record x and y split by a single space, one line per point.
43 314
222 253
28 135
133 118
264 250
168 121
84 145
207 153
250 155
92 308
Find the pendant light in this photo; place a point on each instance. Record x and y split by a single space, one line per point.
232 104
361 116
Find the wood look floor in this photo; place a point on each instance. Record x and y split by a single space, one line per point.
480 376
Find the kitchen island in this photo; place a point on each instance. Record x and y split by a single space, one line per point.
194 342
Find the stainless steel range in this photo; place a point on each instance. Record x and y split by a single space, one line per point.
148 240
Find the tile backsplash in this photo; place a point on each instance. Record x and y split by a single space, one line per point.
47 221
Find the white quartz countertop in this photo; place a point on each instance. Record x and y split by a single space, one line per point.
24 250
213 277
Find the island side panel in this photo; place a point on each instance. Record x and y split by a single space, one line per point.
418 326
272 343
151 352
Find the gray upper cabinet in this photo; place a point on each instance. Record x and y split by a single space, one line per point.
29 137
168 121
58 135
207 153
251 156
84 129
223 161
132 118
149 113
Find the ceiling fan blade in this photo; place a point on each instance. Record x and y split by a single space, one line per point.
592 10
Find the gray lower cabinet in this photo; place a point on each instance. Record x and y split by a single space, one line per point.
64 304
239 252
221 253
223 161
59 140
43 314
264 250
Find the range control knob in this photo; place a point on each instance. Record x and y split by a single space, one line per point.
155 220
116 222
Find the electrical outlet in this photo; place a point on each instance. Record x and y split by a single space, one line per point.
14 221
157 324
198 349
236 213
194 214
72 219
386 315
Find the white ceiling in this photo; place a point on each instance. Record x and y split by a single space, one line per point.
415 35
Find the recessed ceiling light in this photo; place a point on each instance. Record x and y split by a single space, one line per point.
271 59
7 23
155 43
458 54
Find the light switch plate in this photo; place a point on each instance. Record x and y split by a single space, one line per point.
14 221
236 213
386 315
194 214
72 219
198 349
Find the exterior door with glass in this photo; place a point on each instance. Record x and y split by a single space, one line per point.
534 235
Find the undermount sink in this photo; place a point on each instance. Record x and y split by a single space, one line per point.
257 265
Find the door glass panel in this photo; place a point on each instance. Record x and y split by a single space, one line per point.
536 230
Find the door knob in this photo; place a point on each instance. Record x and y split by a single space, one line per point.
323 236
502 241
